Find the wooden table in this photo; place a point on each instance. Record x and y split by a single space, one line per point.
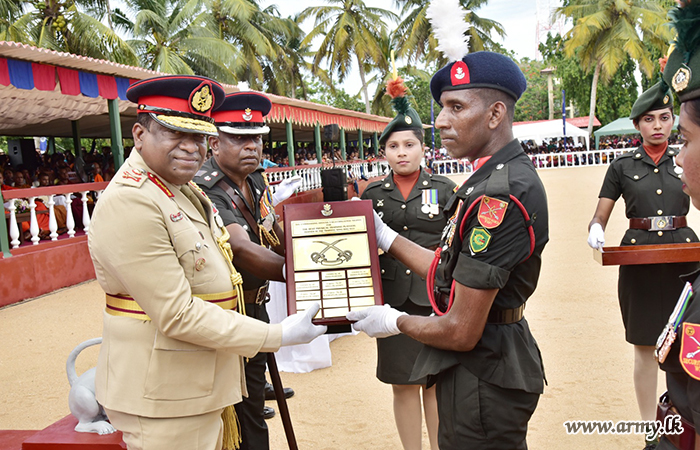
648 254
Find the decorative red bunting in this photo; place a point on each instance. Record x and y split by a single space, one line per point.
301 116
4 73
70 81
44 77
107 86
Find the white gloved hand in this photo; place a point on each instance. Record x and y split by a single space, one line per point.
298 329
596 236
385 235
377 321
285 189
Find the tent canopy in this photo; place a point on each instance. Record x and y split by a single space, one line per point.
538 131
621 126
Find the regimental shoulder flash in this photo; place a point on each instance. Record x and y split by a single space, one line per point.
690 349
491 212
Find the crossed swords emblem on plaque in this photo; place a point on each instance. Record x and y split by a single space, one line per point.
320 257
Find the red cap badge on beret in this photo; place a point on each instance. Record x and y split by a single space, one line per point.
459 74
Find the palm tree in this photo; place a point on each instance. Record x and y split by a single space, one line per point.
64 26
349 28
172 36
414 37
606 32
10 11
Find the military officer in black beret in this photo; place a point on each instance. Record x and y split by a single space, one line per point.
236 183
479 350
411 202
678 347
174 341
649 181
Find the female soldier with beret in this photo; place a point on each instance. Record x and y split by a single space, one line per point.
648 180
410 201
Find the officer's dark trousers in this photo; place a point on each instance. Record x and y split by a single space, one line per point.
250 410
478 415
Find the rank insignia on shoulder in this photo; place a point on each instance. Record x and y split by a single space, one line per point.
690 349
176 217
491 212
479 239
380 202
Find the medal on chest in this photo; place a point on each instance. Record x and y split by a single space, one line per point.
669 333
429 200
448 232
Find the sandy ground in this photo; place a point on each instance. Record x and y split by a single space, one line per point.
574 315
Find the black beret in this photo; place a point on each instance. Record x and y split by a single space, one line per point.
180 102
480 70
656 97
242 113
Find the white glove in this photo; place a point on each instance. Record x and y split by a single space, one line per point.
596 236
285 189
298 329
385 235
377 321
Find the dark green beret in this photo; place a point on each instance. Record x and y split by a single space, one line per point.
403 121
656 97
682 70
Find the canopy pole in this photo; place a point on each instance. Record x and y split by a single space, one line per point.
360 144
317 142
375 142
75 128
115 126
343 149
290 142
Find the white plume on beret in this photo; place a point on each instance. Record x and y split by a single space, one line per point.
243 86
449 28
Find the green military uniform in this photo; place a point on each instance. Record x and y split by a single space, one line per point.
418 220
648 292
487 395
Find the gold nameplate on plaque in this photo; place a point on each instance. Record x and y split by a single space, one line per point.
331 259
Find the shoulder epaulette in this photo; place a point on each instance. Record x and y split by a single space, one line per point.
374 184
131 177
208 177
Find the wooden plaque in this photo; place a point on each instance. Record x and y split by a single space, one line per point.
648 254
331 258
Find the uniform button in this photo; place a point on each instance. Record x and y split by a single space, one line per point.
245 227
636 177
425 182
671 152
634 241
656 170
431 216
661 233
405 228
687 239
387 185
383 270
198 246
403 206
659 191
638 155
408 271
659 212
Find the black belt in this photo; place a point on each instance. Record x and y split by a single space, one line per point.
257 296
506 316
658 223
496 316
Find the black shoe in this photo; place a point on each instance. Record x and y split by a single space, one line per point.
651 446
270 392
268 412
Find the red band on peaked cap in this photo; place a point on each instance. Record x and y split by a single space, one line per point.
238 116
233 108
174 92
459 74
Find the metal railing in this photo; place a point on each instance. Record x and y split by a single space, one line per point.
311 174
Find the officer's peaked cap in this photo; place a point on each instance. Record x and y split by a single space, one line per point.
243 113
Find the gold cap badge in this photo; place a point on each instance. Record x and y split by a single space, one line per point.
681 79
201 99
409 120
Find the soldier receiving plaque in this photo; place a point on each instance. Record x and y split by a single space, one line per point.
331 259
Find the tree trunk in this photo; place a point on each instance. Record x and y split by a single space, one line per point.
364 84
594 92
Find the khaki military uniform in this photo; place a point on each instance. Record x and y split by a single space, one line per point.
154 251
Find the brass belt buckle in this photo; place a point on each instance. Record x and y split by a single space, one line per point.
661 223
261 295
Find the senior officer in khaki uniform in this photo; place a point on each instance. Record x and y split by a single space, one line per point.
479 350
234 180
411 202
171 361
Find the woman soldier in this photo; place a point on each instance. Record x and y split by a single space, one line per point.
410 201
648 179
678 346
